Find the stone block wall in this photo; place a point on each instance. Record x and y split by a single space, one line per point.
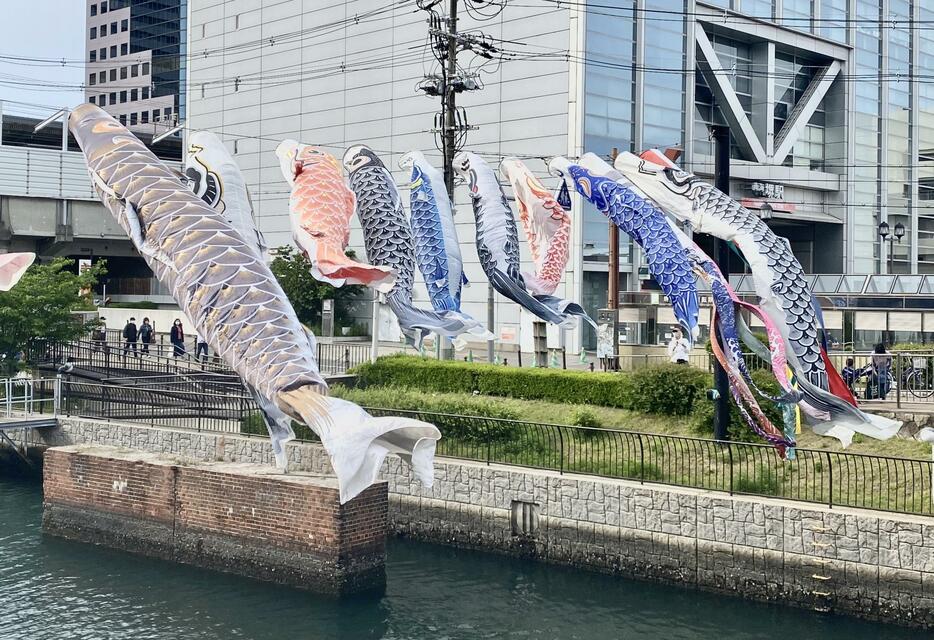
870 564
235 517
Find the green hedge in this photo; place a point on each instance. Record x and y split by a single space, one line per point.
666 389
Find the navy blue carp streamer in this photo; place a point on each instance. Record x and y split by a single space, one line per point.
437 251
388 240
221 281
647 226
498 244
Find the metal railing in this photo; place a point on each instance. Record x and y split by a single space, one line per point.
26 396
108 356
833 478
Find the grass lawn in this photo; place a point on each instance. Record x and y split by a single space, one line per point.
555 413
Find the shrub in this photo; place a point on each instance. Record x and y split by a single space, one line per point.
583 417
474 429
667 389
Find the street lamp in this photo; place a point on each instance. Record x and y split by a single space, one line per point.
897 234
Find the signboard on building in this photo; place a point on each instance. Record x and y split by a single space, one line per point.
768 190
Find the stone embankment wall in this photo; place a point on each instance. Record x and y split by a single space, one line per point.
234 517
869 564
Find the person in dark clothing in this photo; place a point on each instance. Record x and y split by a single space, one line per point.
147 335
130 337
880 378
850 374
177 337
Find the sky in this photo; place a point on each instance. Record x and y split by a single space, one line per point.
47 29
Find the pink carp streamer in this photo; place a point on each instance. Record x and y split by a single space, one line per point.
546 224
12 268
321 207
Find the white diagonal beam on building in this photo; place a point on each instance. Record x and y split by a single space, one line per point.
719 84
801 114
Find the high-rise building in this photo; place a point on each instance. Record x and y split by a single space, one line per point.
828 101
135 61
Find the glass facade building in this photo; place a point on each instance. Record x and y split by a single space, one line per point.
830 100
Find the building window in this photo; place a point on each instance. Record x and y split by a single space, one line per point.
113 97
113 51
123 119
202 89
123 73
102 54
203 29
102 77
143 117
145 68
103 100
93 9
132 119
124 49
237 21
134 70
145 93
94 33
113 75
134 95
167 113
103 7
113 27
92 79
93 55
155 115
92 100
103 29
236 146
122 97
124 25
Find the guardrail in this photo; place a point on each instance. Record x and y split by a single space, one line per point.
833 478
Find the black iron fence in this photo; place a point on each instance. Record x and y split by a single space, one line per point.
833 478
109 357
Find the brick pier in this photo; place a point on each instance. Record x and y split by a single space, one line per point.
239 518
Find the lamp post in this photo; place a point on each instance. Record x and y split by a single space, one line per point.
897 234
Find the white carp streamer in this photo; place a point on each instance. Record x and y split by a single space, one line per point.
221 281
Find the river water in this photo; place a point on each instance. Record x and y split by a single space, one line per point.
62 590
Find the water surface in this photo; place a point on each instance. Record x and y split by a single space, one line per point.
53 589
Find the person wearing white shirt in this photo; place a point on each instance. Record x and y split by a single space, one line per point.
201 347
678 347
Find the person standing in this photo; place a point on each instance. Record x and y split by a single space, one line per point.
130 337
201 346
177 338
146 335
678 347
880 378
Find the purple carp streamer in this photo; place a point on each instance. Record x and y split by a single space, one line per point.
222 283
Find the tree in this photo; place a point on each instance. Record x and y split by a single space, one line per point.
40 307
292 270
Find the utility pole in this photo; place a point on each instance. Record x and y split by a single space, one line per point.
721 254
451 125
612 292
448 100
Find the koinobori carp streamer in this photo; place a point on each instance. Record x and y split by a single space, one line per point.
222 283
